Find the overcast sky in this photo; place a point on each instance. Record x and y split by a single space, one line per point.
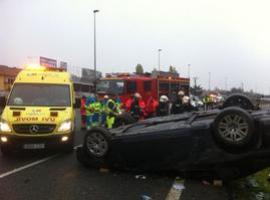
229 38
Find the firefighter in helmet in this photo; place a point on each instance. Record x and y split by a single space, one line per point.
163 106
177 106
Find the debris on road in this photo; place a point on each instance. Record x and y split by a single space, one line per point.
205 182
218 183
140 177
145 197
252 183
104 170
178 186
259 196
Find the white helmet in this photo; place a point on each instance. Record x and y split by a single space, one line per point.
106 97
185 100
181 93
163 98
137 95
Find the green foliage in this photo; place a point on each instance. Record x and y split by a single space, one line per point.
253 187
172 69
139 69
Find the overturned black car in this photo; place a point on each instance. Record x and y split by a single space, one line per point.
226 144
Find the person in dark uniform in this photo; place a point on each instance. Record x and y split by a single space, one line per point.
163 106
177 106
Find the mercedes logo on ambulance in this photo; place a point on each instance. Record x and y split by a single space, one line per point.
33 128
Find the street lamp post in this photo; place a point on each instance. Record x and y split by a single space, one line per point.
159 50
209 81
189 71
95 54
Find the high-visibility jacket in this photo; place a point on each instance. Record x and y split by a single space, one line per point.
97 111
151 106
89 101
111 111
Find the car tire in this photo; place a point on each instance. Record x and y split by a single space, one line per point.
239 100
234 129
6 150
124 119
97 142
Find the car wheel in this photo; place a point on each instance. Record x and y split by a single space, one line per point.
6 150
96 142
234 129
239 100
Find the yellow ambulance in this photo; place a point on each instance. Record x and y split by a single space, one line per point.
39 111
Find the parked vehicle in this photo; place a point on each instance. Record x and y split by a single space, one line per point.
226 144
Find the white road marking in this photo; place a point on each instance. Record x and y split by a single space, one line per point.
175 194
27 166
31 164
80 145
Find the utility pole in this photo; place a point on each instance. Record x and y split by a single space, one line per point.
209 81
189 71
226 83
195 81
195 84
159 50
95 54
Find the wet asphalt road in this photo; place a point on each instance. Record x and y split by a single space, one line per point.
62 177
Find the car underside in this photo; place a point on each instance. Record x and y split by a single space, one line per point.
226 144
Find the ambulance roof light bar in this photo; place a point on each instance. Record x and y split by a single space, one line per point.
38 67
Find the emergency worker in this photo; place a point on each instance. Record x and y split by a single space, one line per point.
83 112
96 107
118 102
128 102
177 106
89 111
112 110
137 107
186 105
103 114
163 106
151 107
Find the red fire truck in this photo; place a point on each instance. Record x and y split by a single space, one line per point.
124 85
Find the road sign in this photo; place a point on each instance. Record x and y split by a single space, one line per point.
47 62
63 65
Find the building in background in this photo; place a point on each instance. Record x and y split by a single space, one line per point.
88 75
7 77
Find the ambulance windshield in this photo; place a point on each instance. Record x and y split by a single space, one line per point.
40 95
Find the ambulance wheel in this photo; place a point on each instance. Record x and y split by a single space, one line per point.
97 142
